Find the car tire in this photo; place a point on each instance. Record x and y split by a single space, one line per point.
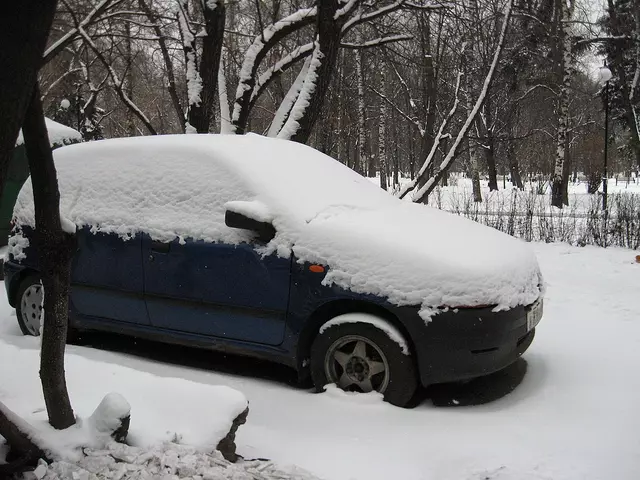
353 356
25 309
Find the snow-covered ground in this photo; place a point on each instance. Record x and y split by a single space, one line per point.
459 192
575 415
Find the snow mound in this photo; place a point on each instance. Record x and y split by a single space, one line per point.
166 461
109 414
163 409
59 134
178 186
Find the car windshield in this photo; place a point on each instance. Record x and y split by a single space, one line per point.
295 177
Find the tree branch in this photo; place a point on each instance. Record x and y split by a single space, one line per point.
72 34
117 83
378 41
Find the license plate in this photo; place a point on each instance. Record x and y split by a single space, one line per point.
534 315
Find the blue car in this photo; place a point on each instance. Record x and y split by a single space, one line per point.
268 248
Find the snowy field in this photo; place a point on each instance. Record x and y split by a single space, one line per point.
575 415
460 191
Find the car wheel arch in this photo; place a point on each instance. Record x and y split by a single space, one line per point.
332 309
17 282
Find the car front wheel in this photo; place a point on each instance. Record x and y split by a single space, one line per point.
360 357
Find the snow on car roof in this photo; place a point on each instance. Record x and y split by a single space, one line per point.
179 186
176 185
59 134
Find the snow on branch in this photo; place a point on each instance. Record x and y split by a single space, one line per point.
225 115
346 9
436 142
432 6
404 84
378 41
534 88
446 163
288 102
283 64
611 38
194 80
256 52
365 17
20 436
291 126
68 37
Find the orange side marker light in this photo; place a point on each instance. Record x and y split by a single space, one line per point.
316 268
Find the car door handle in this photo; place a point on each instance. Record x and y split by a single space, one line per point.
160 247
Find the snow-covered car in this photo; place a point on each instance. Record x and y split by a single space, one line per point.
269 248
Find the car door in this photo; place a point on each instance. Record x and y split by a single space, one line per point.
107 278
216 289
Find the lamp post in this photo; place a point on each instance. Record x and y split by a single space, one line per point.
603 77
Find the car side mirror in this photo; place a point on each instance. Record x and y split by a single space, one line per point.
265 230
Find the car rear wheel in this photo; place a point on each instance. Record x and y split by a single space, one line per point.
359 357
30 305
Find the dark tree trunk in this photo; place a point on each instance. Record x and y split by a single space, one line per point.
514 169
24 28
202 116
329 34
130 124
168 63
24 452
55 251
429 85
622 80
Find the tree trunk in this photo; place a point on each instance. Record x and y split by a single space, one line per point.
563 102
327 45
422 194
362 134
429 88
55 251
168 63
628 89
475 174
489 147
514 170
24 28
382 133
130 125
22 447
201 116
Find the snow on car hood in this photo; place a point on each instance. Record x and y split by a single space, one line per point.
416 255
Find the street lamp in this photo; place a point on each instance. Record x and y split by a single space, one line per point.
604 75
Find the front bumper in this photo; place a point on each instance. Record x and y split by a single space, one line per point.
467 343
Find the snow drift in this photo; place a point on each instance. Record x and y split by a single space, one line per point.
59 134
